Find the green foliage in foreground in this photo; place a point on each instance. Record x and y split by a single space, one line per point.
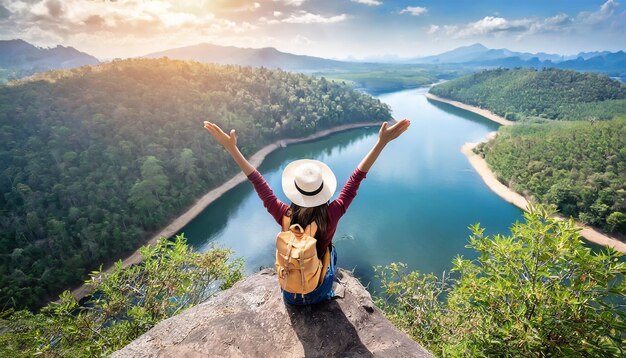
539 292
131 300
579 167
522 94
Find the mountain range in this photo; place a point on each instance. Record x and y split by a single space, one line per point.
19 58
257 57
477 55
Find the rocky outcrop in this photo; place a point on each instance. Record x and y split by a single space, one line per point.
252 320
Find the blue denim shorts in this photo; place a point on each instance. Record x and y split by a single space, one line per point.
322 293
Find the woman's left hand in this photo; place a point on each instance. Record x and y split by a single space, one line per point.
386 134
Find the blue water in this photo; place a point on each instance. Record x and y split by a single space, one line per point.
414 206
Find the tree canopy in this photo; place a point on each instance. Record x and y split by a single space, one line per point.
526 94
578 166
95 159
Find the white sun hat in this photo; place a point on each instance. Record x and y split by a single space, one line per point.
308 183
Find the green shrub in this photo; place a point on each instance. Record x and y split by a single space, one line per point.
616 222
538 292
128 302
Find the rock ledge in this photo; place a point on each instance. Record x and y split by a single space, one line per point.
251 320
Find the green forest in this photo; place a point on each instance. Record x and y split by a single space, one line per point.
528 94
578 166
94 160
577 163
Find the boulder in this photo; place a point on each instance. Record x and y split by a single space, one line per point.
252 320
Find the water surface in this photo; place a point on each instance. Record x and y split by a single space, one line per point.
414 206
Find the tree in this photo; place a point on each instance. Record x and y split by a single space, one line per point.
186 165
538 292
144 194
616 222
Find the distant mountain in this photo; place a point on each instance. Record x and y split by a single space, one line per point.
477 55
19 58
460 54
256 57
587 55
610 62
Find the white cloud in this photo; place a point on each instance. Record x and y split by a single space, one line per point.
556 23
291 2
492 24
607 15
303 17
368 2
301 40
604 13
277 13
48 22
414 10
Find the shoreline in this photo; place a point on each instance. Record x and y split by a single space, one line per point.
199 205
489 178
481 112
507 194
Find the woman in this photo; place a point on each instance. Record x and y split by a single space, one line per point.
310 184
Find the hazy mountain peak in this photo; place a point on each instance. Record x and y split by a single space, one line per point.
479 55
23 58
267 57
477 46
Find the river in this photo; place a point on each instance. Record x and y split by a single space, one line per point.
414 206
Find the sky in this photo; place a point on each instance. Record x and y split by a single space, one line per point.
341 29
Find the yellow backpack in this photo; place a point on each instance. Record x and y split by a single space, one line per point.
298 267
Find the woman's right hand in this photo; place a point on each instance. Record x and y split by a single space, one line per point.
228 141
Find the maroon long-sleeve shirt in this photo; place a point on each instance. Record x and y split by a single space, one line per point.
335 210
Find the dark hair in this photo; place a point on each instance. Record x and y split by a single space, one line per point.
305 216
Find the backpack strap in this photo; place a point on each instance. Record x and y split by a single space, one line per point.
293 237
312 229
286 223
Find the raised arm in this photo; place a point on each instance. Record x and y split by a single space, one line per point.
385 135
230 144
274 206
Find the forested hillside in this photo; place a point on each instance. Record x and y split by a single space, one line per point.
578 166
92 160
522 94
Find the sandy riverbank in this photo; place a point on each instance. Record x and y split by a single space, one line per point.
482 112
177 224
489 177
